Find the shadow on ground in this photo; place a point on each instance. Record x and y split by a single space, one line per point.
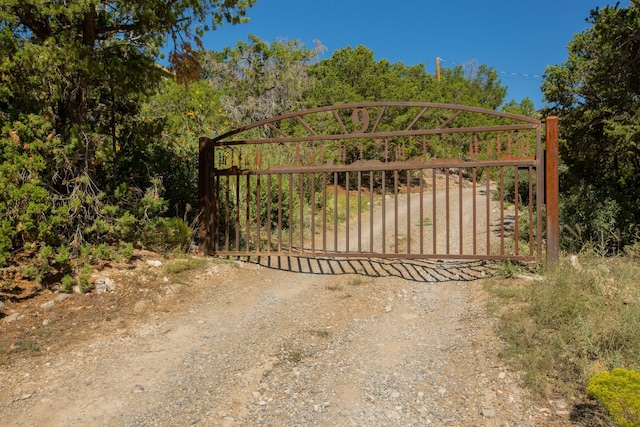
415 270
589 414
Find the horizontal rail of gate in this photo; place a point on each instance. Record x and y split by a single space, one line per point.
361 189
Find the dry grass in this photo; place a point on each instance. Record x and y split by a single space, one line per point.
572 325
180 268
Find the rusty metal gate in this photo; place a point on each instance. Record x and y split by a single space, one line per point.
385 180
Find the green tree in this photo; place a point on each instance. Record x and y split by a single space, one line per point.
259 80
595 92
474 86
353 75
73 77
76 48
185 116
524 107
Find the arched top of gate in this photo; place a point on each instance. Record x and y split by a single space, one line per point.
375 120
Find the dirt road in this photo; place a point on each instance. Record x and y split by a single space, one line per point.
244 344
270 342
410 217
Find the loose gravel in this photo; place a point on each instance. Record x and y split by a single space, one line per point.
249 345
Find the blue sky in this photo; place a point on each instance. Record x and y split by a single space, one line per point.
517 38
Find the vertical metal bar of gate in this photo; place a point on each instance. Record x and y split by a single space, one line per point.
313 215
247 223
348 214
324 213
474 231
460 215
395 210
408 211
371 175
488 209
237 216
279 213
447 209
515 204
258 209
359 211
291 225
434 226
384 213
268 213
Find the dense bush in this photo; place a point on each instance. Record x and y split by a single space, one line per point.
619 392
595 94
56 222
82 172
592 219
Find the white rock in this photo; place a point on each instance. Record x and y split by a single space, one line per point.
575 263
12 318
62 297
105 284
488 412
560 404
154 263
48 305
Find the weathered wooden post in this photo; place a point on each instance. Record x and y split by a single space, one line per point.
552 189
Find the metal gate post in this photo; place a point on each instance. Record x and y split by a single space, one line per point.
552 190
205 164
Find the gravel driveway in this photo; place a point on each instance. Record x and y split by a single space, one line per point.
260 346
285 342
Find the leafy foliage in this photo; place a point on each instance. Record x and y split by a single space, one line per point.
260 80
595 94
182 116
80 169
619 392
353 75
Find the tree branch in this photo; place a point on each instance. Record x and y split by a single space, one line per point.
39 27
